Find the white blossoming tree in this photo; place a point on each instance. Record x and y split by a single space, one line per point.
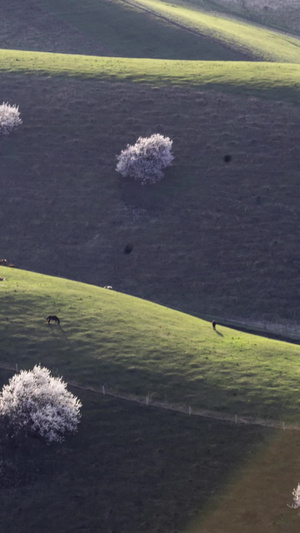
145 160
36 403
9 118
296 497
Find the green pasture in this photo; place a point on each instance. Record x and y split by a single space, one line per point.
277 80
212 238
127 344
126 29
108 22
261 42
276 14
237 220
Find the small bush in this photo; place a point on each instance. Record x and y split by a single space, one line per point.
145 160
9 118
35 403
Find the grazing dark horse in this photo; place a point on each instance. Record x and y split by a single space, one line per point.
214 323
53 318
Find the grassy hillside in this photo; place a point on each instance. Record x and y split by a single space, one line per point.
150 28
139 347
145 469
111 20
130 469
272 80
280 14
103 28
260 42
212 238
134 469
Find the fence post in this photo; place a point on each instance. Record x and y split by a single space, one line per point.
17 368
190 410
103 390
236 418
283 426
147 399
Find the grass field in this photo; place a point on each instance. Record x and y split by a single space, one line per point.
130 469
104 29
258 42
220 239
277 14
138 347
110 21
150 28
280 14
211 239
133 468
270 80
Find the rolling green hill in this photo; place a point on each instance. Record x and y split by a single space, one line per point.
212 239
278 14
273 80
150 28
142 467
136 346
104 29
238 221
259 42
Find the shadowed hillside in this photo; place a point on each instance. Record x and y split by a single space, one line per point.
213 237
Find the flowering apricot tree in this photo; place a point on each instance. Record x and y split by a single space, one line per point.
296 497
145 160
9 118
36 403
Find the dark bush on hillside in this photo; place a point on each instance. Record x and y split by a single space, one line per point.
128 248
145 160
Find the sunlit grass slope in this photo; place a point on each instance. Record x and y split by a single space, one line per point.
280 14
125 29
260 42
277 80
136 346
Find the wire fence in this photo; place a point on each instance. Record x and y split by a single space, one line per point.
148 401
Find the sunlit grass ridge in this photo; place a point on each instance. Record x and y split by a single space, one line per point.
248 76
263 43
136 346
